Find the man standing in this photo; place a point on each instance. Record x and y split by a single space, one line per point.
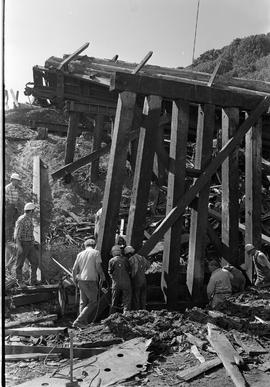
219 286
119 271
88 271
262 265
11 204
138 265
25 242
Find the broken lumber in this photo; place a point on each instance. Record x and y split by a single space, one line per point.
32 356
249 348
81 353
49 317
197 354
35 331
226 353
26 299
192 372
194 340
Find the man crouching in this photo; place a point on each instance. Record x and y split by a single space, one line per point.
219 287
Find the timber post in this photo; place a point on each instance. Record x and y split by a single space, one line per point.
98 132
71 136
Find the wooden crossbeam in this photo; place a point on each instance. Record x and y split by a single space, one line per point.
206 175
143 62
147 85
90 109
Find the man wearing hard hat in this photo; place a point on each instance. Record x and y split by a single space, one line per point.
262 265
139 265
24 238
12 194
119 271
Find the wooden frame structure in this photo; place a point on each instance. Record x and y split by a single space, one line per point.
139 100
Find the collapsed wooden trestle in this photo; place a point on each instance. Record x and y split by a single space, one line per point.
139 102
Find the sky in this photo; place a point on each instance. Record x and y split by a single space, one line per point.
34 30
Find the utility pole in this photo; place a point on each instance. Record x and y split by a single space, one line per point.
195 34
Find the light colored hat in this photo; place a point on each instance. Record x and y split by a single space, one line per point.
129 250
249 247
116 250
90 242
15 176
29 207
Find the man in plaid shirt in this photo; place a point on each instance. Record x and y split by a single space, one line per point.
24 237
11 203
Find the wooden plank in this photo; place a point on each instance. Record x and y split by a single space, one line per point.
71 136
81 353
26 299
205 177
230 188
176 189
193 372
98 132
70 57
214 74
49 317
253 176
142 63
91 109
35 331
177 89
73 166
116 174
143 172
32 356
227 354
199 216
195 340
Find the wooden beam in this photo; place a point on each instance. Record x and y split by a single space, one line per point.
193 372
71 136
72 56
143 62
35 331
98 132
227 354
205 177
253 175
182 90
214 74
230 188
116 174
199 217
176 189
90 109
143 172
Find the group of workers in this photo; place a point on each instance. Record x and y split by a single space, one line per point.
228 279
127 272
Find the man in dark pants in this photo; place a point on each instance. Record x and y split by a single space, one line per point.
25 242
138 265
262 266
119 271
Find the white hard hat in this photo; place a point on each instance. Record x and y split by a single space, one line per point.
15 176
116 250
129 250
29 207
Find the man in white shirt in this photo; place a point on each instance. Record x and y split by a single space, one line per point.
219 286
87 270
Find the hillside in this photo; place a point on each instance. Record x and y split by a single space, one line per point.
243 58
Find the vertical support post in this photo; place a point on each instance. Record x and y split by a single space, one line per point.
230 189
42 192
71 136
253 191
143 172
199 216
176 189
98 131
116 173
